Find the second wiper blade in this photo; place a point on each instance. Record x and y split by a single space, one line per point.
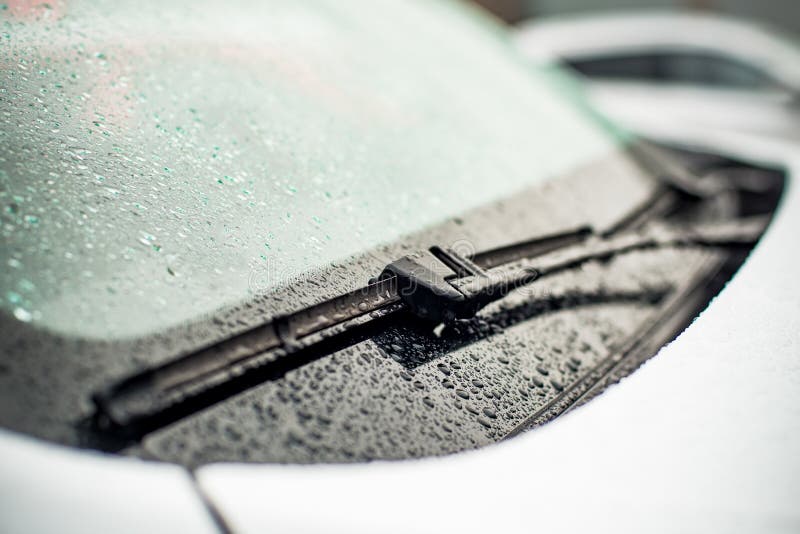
436 285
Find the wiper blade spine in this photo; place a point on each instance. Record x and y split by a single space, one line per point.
133 404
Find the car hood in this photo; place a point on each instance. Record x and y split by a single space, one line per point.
702 438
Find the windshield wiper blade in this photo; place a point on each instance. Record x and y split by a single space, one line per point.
154 397
436 285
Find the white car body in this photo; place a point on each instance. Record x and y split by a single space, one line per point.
679 111
688 444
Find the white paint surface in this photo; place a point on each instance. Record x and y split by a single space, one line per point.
48 488
704 438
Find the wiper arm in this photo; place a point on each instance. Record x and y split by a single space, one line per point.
434 290
437 285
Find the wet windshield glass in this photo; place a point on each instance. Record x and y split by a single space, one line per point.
153 157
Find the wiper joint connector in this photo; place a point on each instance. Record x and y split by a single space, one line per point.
425 283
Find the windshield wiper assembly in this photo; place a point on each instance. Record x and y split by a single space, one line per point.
436 285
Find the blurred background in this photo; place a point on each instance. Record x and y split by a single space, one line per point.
771 11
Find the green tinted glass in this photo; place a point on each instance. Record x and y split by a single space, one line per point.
154 155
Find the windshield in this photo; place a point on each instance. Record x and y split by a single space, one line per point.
153 158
